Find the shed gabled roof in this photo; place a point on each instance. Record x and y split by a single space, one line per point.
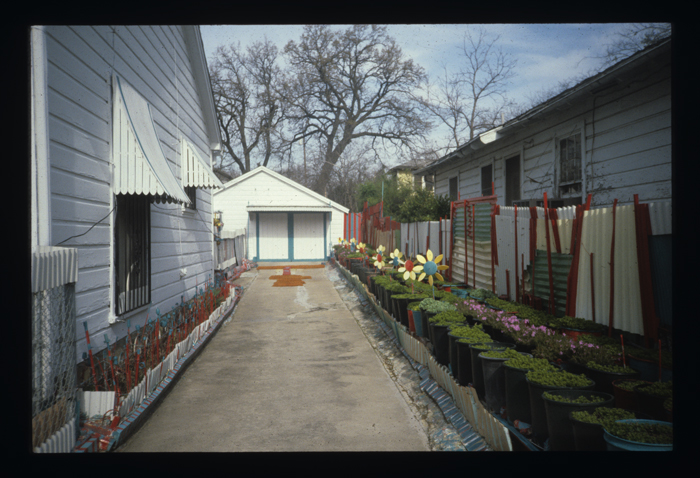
276 176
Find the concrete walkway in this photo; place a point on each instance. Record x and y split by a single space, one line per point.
291 371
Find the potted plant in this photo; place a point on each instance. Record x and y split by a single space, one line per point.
558 404
647 362
577 326
414 319
623 390
517 395
605 375
639 435
439 324
494 377
539 382
477 370
589 426
400 304
475 334
429 307
651 396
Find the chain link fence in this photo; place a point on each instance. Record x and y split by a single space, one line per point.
53 361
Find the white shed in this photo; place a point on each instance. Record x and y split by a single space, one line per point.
284 220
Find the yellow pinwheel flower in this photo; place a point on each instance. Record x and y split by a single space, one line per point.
409 270
396 258
361 247
379 260
430 267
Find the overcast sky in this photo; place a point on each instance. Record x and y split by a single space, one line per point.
545 53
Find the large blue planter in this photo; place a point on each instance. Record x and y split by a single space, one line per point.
618 444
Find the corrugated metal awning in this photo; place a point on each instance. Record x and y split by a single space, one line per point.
289 208
195 171
140 166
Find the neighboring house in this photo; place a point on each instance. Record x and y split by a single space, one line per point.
609 136
284 220
405 173
123 133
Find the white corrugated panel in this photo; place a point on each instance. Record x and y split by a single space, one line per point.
308 239
478 275
661 215
195 171
53 267
274 243
596 238
140 166
96 403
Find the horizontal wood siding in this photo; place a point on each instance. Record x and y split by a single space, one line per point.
626 147
153 60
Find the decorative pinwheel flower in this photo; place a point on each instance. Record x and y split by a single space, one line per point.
361 247
396 258
430 267
409 270
379 259
353 241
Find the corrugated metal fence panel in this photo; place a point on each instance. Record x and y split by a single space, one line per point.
561 264
53 267
661 215
459 222
596 238
661 258
480 253
63 441
96 403
482 218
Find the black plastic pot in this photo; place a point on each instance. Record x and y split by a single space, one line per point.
477 370
517 396
494 382
603 380
425 317
453 354
538 413
440 343
401 310
651 405
561 432
464 359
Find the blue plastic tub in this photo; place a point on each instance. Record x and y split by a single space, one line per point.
618 444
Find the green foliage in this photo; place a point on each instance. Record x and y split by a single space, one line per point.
415 306
447 317
580 399
610 368
559 379
482 294
506 354
668 404
604 416
652 356
629 385
642 432
410 296
469 334
658 389
403 202
435 306
576 323
523 362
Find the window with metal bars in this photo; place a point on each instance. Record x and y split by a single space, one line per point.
570 165
192 194
132 252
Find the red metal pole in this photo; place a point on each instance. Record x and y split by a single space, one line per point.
92 361
508 283
612 273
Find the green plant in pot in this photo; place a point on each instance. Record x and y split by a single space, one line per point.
623 390
494 377
589 426
465 336
540 382
651 396
415 317
401 302
605 374
439 324
478 378
639 435
517 395
647 362
576 326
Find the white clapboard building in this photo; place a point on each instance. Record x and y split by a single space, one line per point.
284 221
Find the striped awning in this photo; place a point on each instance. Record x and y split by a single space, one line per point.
195 171
140 166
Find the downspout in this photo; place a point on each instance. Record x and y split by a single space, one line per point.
41 178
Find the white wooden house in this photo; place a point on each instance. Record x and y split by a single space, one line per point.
123 133
284 221
609 136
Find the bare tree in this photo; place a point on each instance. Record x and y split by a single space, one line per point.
249 106
350 85
635 37
473 99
